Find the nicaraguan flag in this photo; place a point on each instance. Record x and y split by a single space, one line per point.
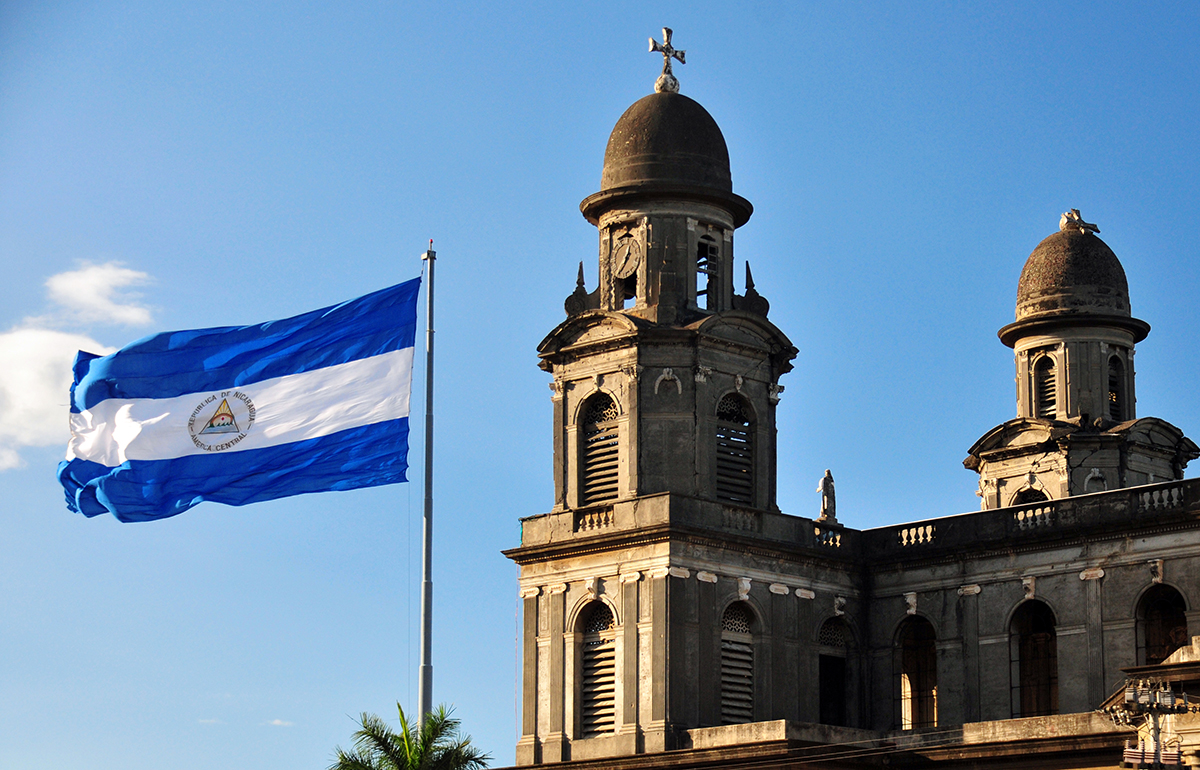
245 413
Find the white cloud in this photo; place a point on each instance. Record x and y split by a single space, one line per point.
279 723
93 294
35 382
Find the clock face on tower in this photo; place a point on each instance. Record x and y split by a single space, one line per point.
626 256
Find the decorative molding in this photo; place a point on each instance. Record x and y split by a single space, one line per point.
805 593
779 589
631 371
557 588
773 391
668 376
529 593
737 383
1156 571
592 586
969 590
679 572
703 373
839 605
661 572
630 577
706 577
1092 573
1029 584
910 602
557 388
743 588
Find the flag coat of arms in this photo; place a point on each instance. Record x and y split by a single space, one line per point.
237 415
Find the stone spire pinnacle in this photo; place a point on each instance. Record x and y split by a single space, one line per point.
666 83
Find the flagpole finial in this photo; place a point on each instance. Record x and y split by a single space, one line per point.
667 82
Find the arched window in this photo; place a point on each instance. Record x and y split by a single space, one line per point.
598 692
833 641
1029 495
1045 388
599 450
1033 658
1116 389
917 670
737 666
707 255
735 451
1162 624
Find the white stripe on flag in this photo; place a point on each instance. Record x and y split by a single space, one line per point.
291 408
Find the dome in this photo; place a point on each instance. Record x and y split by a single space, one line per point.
1072 272
1072 277
666 138
666 145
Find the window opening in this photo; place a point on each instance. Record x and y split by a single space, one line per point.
1044 386
1033 656
598 695
1028 496
737 666
707 255
1163 624
629 291
1116 389
601 439
918 674
735 451
831 672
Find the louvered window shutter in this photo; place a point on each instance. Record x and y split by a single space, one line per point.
598 695
1045 388
735 452
600 450
737 667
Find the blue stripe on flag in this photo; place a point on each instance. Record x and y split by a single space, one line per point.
217 361
144 490
173 363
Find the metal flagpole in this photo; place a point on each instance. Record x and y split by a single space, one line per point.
425 675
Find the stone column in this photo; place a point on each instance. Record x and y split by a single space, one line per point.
708 671
630 683
554 745
527 745
654 731
1095 635
968 607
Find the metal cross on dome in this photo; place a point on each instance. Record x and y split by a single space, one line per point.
667 83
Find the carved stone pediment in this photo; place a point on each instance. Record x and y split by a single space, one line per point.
592 327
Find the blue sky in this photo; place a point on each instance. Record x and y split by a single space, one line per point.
165 165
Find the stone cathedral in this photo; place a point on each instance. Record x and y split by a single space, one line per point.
673 616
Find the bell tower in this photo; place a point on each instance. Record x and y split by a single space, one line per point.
665 385
1076 430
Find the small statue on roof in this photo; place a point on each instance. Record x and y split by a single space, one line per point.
1071 220
666 83
828 499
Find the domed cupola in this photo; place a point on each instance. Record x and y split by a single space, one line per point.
1076 429
666 145
666 212
1072 278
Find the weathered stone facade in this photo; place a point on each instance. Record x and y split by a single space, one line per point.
669 605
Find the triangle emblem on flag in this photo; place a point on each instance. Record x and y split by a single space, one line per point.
222 420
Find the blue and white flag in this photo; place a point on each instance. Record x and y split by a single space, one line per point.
241 414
